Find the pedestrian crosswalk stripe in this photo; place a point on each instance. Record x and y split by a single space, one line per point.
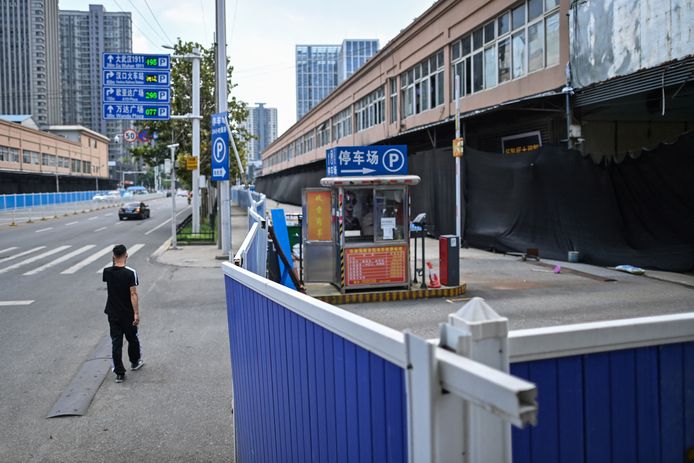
8 249
12 303
88 260
35 258
60 259
99 229
131 251
24 253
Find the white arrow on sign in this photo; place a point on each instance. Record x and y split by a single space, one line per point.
109 91
110 109
220 172
110 74
110 59
363 170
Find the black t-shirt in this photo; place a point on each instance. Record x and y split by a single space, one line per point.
119 280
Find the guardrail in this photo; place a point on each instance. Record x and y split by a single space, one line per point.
252 254
28 207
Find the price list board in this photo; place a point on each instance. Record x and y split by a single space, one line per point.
375 266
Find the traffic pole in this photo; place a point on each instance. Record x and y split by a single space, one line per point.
196 139
457 161
221 59
172 148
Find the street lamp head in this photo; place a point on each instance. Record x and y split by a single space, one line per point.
175 145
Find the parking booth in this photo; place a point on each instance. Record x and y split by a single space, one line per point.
367 242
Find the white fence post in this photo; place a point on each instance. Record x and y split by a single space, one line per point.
422 394
477 332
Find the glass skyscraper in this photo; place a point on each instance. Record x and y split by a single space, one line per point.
316 75
353 54
321 68
262 124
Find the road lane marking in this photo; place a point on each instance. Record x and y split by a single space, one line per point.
131 251
71 223
11 303
165 222
35 258
93 218
43 230
158 226
99 229
8 249
88 260
60 259
21 254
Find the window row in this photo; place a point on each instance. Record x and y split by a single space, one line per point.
421 86
517 42
9 154
370 110
514 44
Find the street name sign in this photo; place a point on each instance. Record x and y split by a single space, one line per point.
136 86
148 112
351 161
136 61
136 95
145 78
220 147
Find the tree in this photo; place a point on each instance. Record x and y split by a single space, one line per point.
180 131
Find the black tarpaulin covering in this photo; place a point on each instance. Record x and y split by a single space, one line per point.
639 212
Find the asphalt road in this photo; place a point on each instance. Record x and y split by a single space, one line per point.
177 408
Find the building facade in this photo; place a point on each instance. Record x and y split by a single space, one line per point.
262 124
316 75
30 159
321 68
353 55
29 60
84 37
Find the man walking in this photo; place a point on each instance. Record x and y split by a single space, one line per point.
122 311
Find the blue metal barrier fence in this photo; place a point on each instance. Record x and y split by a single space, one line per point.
26 200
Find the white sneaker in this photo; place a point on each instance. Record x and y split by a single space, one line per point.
138 365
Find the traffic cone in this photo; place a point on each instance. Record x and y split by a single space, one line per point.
433 277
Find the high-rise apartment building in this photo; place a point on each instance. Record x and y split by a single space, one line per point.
84 37
29 60
353 55
262 124
321 68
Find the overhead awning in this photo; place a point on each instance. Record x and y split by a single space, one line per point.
371 180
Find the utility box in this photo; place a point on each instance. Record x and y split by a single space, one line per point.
449 255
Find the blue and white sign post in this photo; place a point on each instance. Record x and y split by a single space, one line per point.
220 147
354 161
136 87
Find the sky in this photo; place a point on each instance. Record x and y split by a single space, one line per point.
262 34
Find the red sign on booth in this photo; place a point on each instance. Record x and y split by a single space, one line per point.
374 266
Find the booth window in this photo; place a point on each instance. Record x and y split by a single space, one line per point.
389 213
358 215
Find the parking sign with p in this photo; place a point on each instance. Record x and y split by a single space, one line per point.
220 147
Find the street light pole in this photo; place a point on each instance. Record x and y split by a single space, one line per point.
195 57
172 148
196 140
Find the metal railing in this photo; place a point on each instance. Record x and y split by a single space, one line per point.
252 255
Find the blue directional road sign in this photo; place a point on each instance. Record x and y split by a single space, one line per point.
143 78
350 161
136 111
136 87
136 95
220 147
136 61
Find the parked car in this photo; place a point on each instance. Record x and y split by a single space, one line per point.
113 196
134 211
183 193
